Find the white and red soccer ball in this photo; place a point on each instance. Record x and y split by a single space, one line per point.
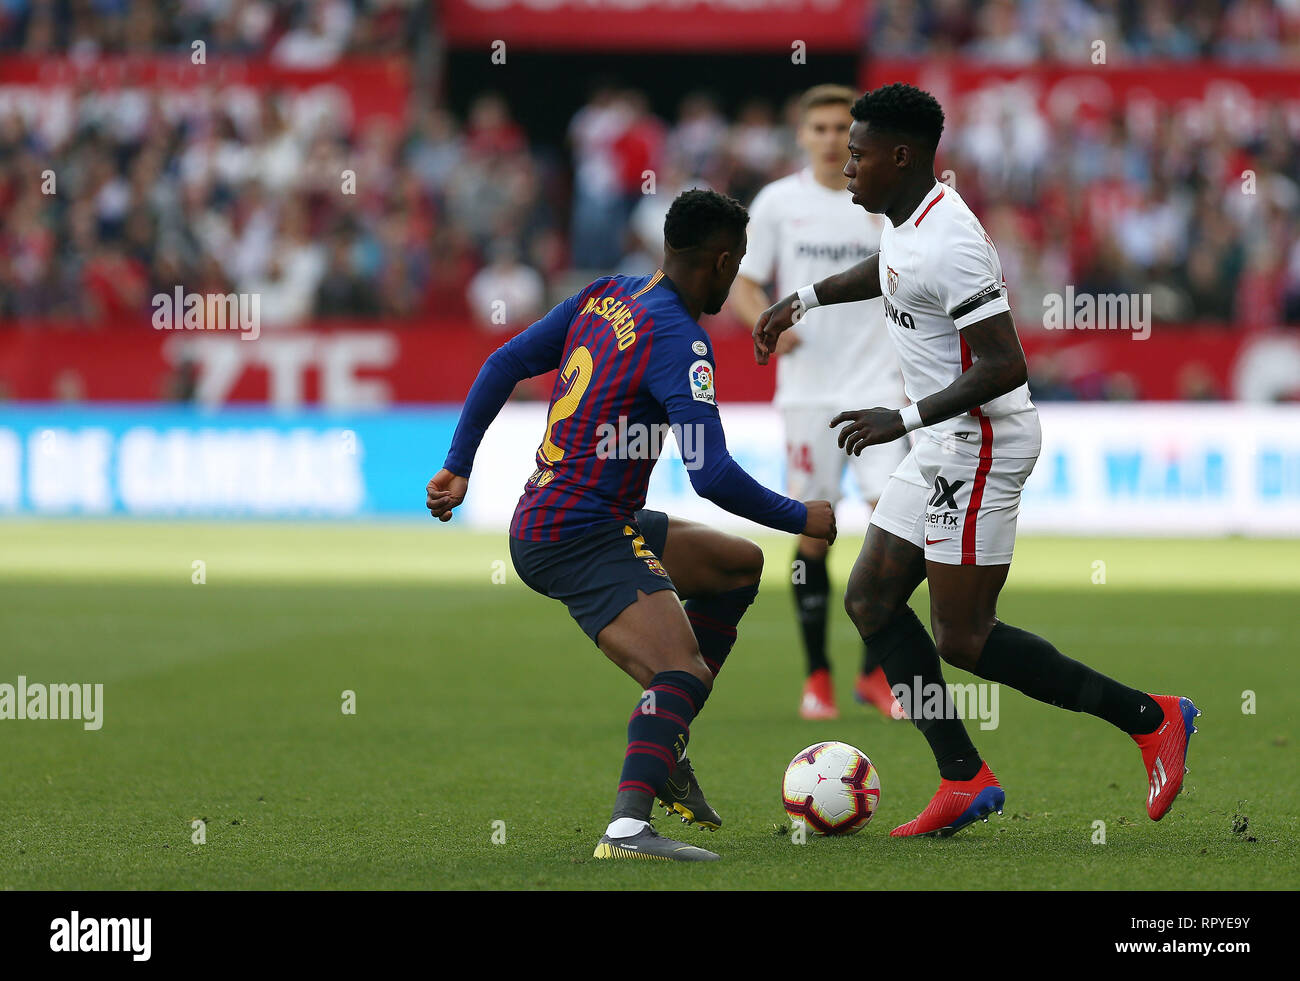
831 787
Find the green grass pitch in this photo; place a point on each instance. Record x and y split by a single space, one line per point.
481 702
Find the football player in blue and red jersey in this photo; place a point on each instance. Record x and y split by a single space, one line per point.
661 597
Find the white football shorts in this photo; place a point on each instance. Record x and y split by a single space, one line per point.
815 463
960 507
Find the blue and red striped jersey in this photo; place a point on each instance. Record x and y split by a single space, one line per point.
633 366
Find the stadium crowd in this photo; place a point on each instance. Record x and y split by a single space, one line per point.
1025 31
455 214
300 33
317 32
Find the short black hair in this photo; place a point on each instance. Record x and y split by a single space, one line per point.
902 108
696 215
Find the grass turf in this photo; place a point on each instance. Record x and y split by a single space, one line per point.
481 702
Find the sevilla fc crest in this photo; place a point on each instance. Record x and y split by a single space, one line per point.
893 279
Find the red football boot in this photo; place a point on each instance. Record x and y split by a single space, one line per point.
956 804
873 689
818 697
1165 752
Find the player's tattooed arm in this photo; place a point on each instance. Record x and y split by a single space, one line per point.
998 367
858 282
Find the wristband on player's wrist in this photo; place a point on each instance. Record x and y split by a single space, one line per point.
808 297
911 416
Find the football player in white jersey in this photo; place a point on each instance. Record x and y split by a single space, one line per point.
801 228
949 512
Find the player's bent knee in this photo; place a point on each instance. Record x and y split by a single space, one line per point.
958 648
701 671
642 661
736 564
750 564
682 660
857 607
867 611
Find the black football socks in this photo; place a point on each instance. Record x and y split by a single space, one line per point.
1030 664
812 589
869 661
904 650
657 734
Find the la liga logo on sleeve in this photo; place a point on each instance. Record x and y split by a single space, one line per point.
701 376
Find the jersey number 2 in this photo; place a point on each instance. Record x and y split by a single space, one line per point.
577 372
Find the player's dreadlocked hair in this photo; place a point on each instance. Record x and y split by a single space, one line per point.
904 109
696 215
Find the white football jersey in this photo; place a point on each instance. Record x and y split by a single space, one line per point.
800 232
940 273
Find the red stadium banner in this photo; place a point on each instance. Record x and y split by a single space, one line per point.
1095 92
371 87
655 25
361 366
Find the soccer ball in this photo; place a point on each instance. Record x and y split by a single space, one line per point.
832 787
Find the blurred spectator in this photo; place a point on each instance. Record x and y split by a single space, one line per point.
435 150
288 282
1196 383
342 291
506 294
637 150
999 37
645 238
599 203
1153 229
1158 34
756 148
696 143
1047 380
490 131
1208 288
318 37
455 262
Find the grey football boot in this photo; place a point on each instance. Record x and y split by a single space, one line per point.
649 845
681 795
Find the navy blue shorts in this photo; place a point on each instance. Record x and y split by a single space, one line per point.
597 575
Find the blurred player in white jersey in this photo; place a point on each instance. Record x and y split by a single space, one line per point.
948 515
802 228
